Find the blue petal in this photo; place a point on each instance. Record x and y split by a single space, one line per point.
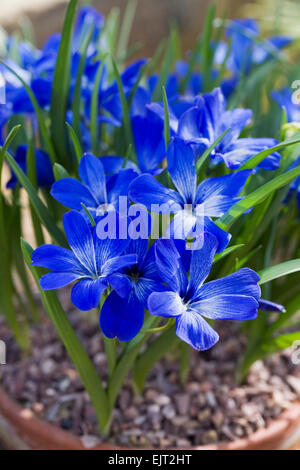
158 109
119 319
165 304
119 262
149 141
228 185
183 224
194 330
222 236
55 258
268 306
71 193
181 166
146 190
91 172
189 127
170 266
235 120
108 248
86 293
201 263
243 149
80 239
144 286
121 284
121 185
112 164
138 247
57 280
227 307
242 282
216 206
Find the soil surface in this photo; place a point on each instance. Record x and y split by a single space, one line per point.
210 407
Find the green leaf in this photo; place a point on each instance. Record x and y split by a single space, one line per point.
87 372
6 269
30 164
154 352
94 108
76 107
206 53
257 159
167 118
282 269
36 202
292 308
281 342
165 67
127 360
125 110
60 172
89 215
208 151
111 28
76 143
61 85
256 197
6 145
126 29
227 252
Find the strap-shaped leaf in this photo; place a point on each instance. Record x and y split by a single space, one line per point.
61 85
256 197
282 269
36 202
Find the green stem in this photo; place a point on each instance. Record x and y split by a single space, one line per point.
111 354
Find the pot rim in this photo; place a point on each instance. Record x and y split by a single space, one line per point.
39 434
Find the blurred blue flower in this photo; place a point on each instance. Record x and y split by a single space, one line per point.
43 167
246 49
284 99
90 261
234 297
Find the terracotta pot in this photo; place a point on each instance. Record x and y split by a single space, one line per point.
20 430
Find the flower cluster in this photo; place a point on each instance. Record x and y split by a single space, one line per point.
185 160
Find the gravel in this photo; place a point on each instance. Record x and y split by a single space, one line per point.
209 408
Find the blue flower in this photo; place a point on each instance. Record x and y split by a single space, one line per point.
202 124
234 297
90 261
97 194
43 167
122 314
110 107
284 99
211 198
